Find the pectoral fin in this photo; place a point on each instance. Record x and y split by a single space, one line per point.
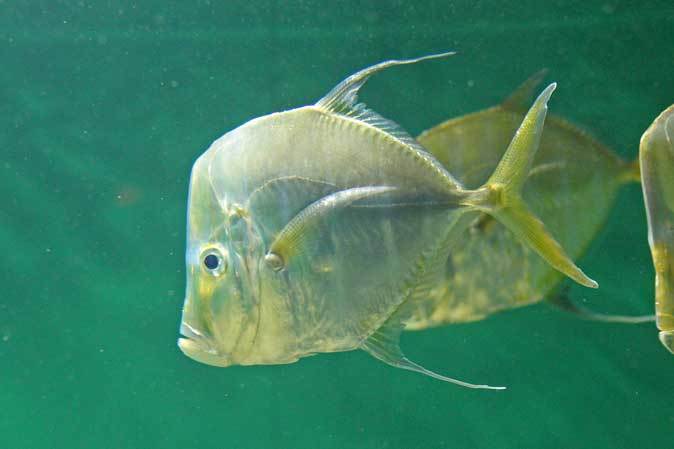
300 229
278 200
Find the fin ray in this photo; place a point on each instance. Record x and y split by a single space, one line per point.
384 345
276 201
298 230
345 95
343 100
501 194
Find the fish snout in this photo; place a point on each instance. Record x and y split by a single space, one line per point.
195 346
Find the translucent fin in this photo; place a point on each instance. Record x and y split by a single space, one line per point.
563 302
277 201
384 345
501 194
344 96
343 100
288 192
293 236
517 217
513 169
519 100
656 154
431 267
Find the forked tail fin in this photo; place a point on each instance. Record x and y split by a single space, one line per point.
656 154
501 197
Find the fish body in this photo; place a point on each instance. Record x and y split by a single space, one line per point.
656 154
303 309
571 168
319 228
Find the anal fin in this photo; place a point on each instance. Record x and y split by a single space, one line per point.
384 344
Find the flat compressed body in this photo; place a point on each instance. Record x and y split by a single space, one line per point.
357 264
489 269
656 154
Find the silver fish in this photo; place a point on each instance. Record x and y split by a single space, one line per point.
317 229
656 154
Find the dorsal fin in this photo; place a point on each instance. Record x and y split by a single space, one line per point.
520 99
343 99
345 94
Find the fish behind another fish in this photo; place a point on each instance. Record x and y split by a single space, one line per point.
488 269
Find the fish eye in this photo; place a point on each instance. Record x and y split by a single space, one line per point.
213 261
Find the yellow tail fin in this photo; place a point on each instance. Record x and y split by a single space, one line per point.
501 197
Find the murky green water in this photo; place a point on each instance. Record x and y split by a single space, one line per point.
104 108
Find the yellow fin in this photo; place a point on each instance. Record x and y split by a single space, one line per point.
500 196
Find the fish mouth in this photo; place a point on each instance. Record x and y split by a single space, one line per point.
194 345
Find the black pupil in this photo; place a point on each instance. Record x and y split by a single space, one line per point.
211 261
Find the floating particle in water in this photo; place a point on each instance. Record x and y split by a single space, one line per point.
127 195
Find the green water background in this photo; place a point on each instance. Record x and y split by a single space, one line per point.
105 106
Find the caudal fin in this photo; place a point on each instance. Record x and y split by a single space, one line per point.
501 196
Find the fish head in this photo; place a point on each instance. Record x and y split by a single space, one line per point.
221 310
